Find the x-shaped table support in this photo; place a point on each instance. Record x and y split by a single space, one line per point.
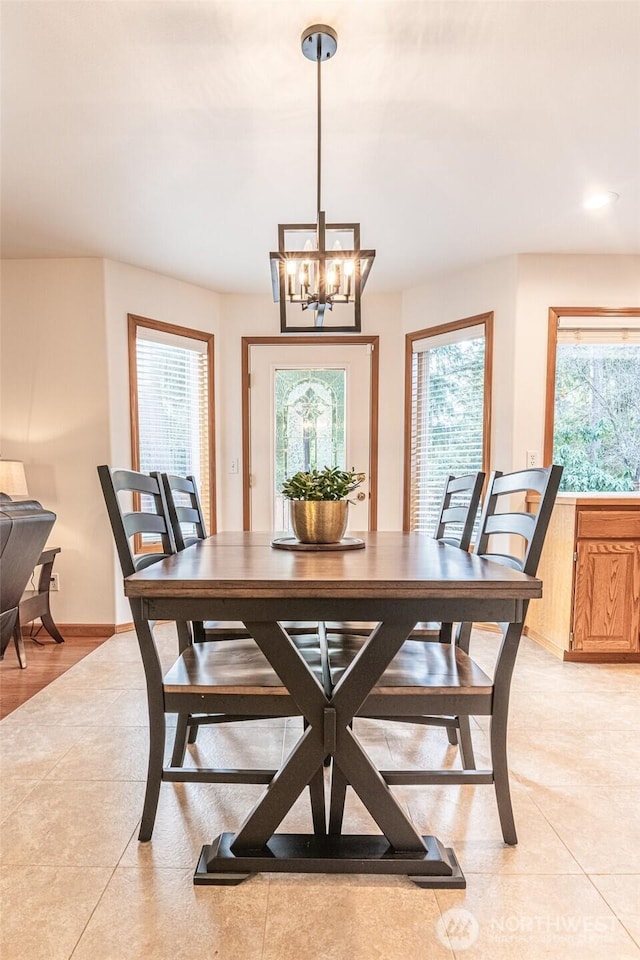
328 717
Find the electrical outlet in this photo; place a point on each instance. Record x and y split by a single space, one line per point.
533 459
234 466
55 582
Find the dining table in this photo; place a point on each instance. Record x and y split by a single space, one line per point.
395 580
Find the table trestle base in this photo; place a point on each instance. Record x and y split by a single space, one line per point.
436 867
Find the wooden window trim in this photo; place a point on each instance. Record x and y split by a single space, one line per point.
134 322
555 313
481 319
247 343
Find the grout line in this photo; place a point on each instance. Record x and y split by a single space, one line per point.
92 913
610 907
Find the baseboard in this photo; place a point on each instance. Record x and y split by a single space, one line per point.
557 651
489 627
578 656
87 629
94 629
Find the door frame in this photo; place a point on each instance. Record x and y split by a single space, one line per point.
301 341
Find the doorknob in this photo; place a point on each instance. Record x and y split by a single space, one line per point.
361 495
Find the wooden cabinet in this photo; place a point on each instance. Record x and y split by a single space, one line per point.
590 568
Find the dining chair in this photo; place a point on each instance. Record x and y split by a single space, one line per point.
454 525
184 509
439 684
188 525
456 519
208 683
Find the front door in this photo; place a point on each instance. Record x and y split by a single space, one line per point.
309 406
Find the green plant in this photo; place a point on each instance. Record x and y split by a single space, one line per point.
330 483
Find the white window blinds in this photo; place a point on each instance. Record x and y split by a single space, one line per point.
447 403
599 330
173 407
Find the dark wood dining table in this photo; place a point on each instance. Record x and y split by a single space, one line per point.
397 580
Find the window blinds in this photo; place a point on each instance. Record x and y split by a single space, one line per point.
173 407
599 330
447 394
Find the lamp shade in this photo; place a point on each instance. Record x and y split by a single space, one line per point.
13 481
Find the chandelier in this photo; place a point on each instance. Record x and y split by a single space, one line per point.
319 265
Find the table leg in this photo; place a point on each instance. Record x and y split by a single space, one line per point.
256 847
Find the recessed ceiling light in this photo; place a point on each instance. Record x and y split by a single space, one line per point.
597 200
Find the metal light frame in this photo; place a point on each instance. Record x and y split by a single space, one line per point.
323 266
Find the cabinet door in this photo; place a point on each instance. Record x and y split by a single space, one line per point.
606 615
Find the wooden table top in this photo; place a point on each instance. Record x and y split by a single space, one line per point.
393 564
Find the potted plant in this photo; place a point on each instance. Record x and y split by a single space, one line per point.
319 503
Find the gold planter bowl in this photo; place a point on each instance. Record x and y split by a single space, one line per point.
319 521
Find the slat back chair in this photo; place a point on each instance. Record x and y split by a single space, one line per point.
446 685
189 514
456 519
208 683
184 508
460 500
127 523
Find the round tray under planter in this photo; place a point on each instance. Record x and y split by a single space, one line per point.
290 543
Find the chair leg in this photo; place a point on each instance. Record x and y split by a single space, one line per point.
316 792
501 779
466 744
180 742
193 733
19 645
452 736
157 733
336 803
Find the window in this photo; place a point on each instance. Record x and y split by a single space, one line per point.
593 398
447 420
310 410
171 373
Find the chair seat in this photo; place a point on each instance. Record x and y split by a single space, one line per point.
433 668
231 667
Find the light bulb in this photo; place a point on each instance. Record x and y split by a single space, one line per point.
598 200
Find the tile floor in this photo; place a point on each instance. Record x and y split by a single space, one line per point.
77 884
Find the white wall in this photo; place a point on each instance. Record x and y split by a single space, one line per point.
132 290
55 417
479 289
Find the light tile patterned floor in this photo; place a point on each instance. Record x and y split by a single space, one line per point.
77 884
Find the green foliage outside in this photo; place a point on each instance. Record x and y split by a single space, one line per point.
597 416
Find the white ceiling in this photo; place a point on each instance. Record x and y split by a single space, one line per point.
176 135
